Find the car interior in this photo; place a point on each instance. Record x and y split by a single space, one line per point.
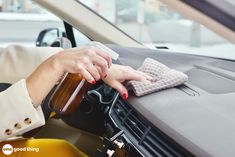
104 116
193 119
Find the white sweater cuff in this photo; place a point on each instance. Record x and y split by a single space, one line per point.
17 111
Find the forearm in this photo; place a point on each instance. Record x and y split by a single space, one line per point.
43 79
76 60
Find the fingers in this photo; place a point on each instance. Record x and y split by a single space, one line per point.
91 63
101 64
120 88
105 56
135 76
146 78
100 59
93 71
131 74
100 72
87 75
94 59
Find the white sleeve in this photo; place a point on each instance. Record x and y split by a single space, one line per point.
18 115
18 62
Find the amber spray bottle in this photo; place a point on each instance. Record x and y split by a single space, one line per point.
71 90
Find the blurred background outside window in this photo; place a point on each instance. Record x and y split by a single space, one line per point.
22 20
148 21
154 24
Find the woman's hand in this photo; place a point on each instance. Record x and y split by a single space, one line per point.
119 73
84 61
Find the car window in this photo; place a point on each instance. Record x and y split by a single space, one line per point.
154 24
80 38
21 21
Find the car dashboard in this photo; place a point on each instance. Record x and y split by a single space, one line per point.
194 119
141 137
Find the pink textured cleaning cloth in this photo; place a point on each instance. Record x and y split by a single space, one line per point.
162 78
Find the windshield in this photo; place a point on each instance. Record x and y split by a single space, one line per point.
154 24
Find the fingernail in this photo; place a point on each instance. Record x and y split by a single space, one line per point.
93 82
125 96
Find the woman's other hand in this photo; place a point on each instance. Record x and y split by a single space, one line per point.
119 73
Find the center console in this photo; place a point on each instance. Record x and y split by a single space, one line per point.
124 131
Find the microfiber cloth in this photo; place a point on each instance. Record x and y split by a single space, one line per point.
163 77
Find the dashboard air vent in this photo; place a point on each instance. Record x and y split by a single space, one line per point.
149 138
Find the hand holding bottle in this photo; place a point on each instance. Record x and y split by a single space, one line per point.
81 61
